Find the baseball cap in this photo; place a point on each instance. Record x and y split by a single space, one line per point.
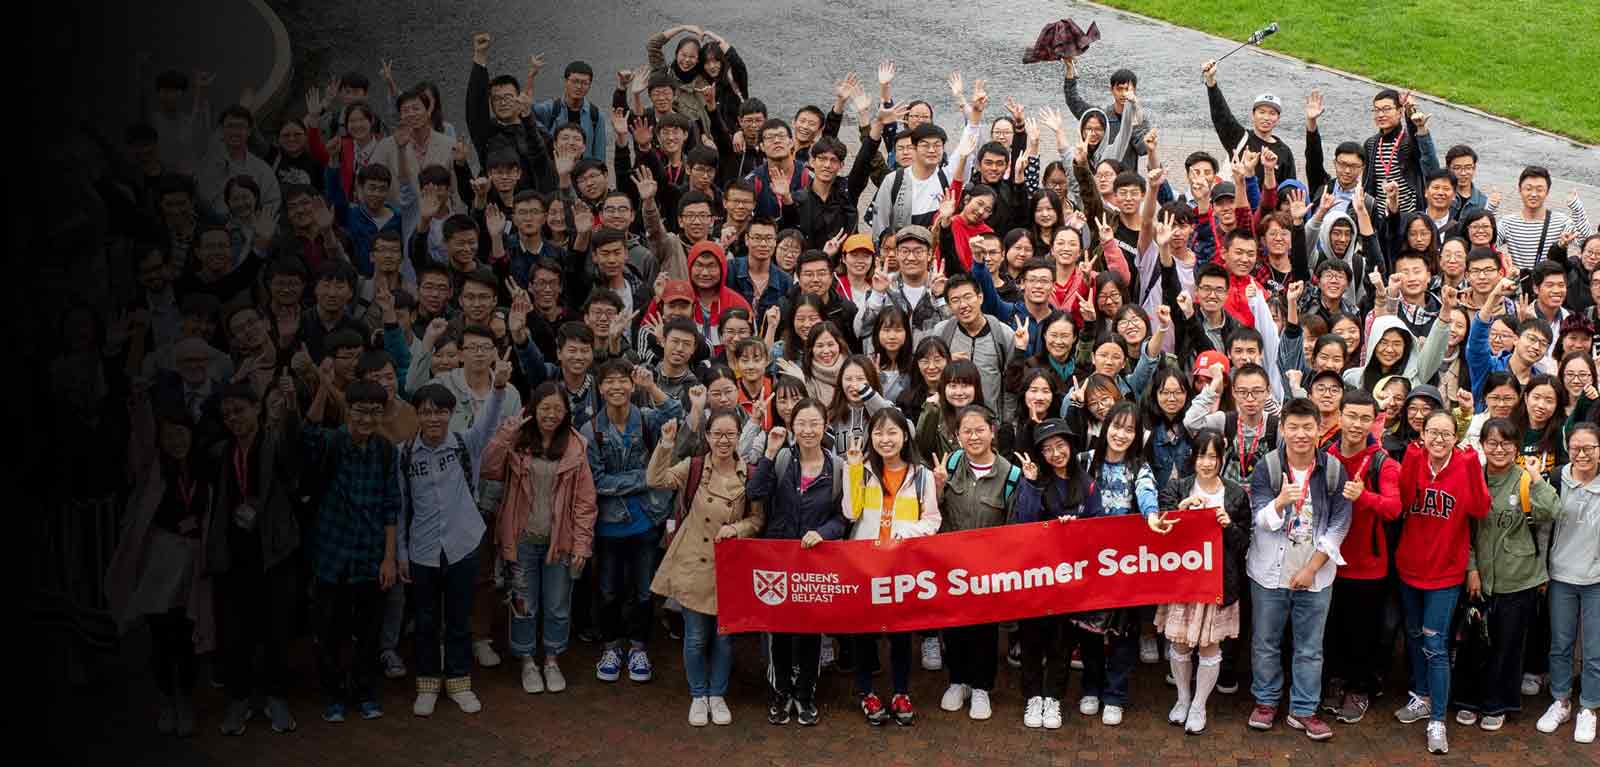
1222 191
677 290
1055 427
915 232
1321 374
858 241
1268 100
1207 358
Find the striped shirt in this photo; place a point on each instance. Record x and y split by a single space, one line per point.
1520 236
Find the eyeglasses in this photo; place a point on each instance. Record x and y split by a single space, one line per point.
1439 434
1498 445
1484 271
1347 165
616 209
478 348
694 216
367 411
1501 399
1211 290
1463 167
1384 110
1583 449
763 239
1327 388
1250 394
975 431
546 284
723 436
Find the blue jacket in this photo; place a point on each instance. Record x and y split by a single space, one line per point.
1009 311
552 114
791 513
618 455
1481 361
355 220
778 285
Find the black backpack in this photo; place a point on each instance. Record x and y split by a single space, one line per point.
463 457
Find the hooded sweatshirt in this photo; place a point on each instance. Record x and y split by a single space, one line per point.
1435 538
1366 547
1575 536
1400 441
1419 366
707 316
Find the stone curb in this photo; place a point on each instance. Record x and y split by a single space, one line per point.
1359 78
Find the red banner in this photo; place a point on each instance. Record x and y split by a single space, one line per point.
960 579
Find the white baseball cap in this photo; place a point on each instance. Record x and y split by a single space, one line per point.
1267 99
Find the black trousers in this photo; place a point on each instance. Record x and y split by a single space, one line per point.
972 654
793 661
342 611
1044 656
256 611
172 650
1354 640
1488 672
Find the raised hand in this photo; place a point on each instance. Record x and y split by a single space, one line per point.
968 145
1029 468
947 204
853 453
643 378
535 65
1080 153
1086 309
1269 159
834 243
495 220
480 192
669 433
1052 120
1107 227
436 329
502 369
1017 112
1164 317
1186 305
1019 337
775 440
1464 398
645 182
890 115
480 44
1208 73
566 160
1165 224
885 73
1297 204
958 89
697 398
458 151
1159 523
1294 291
1313 109
1151 138
773 316
940 473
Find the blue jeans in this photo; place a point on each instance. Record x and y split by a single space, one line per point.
541 587
1307 614
447 590
707 655
1575 608
626 567
1428 614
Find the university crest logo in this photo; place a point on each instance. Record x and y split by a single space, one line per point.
772 586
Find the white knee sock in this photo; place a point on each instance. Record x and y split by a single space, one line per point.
1182 667
1205 678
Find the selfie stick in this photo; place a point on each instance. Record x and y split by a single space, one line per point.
1255 39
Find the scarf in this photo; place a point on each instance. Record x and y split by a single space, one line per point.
825 380
1236 304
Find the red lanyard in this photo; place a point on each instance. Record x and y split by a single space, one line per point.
1389 161
1244 468
241 468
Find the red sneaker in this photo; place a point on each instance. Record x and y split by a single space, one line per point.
1315 728
1261 718
873 708
904 715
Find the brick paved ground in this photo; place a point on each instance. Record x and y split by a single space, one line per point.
594 723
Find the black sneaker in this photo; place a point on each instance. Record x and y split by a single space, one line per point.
806 712
778 709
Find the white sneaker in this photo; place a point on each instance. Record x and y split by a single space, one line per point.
1149 651
532 680
932 659
1437 742
483 651
954 696
554 680
826 656
1179 713
1531 684
423 705
980 705
1556 715
468 701
1088 705
1196 721
1052 714
720 715
1584 731
699 712
1111 716
1033 715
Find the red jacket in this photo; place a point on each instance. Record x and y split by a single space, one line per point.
1366 547
707 316
1436 537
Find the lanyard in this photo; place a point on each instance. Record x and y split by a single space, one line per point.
241 468
1244 466
1305 489
1394 153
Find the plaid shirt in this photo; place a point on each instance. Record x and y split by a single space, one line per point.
361 499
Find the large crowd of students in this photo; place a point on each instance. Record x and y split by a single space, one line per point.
509 381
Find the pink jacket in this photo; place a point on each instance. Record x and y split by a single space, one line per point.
573 510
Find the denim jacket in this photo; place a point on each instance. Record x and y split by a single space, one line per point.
618 455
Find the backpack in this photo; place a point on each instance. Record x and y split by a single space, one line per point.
1012 478
786 457
691 486
900 181
1524 486
463 457
1230 433
1333 473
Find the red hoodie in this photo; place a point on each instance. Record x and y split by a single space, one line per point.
1435 539
707 316
1366 548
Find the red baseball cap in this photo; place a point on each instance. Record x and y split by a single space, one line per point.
1207 358
677 290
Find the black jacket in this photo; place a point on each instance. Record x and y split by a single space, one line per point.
1235 537
525 137
821 219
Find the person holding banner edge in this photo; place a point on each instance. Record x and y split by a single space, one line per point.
891 469
1202 625
801 487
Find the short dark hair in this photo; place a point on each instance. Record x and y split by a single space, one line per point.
237 112
961 281
739 185
695 198
928 131
995 148
752 106
978 190
343 339
810 109
813 255
481 276
1534 171
355 81
1539 326
1350 147
1544 270
1389 94
1303 408
1195 158
774 123
1210 269
1437 175
287 265
830 145
577 68
1235 235
434 175
612 368
477 330
1128 178
603 296
530 195
1124 76
1245 334
435 394
682 326
372 361
702 155
501 81
374 172
337 270
1359 397
1334 264
291 192
1459 151
606 236
456 224
574 331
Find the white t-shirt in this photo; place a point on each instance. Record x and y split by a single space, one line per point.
1213 500
1299 525
913 295
925 193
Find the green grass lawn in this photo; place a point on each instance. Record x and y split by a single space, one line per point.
1532 61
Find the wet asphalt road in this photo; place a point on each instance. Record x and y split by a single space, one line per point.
797 49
